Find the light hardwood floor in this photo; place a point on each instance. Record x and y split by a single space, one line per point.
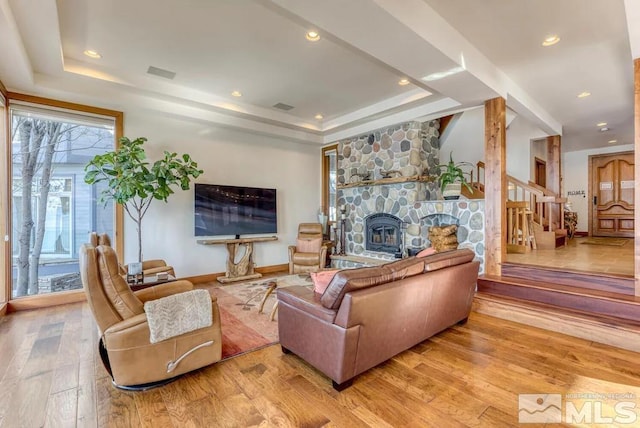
581 257
469 375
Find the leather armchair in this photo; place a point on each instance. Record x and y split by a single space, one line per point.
149 267
301 260
125 346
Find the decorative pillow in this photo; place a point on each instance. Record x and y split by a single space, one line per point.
426 252
309 245
322 279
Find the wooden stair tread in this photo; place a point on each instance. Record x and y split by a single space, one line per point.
562 311
561 288
565 270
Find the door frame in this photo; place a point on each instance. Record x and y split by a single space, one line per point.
590 186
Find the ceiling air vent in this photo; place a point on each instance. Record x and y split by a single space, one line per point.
283 106
160 72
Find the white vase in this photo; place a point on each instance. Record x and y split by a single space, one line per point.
452 191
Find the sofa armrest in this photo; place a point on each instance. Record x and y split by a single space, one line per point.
163 290
306 300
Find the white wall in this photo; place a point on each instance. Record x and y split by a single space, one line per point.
575 175
466 140
228 157
520 132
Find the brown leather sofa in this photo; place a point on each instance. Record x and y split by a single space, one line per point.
368 315
125 345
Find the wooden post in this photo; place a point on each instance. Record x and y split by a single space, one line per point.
637 173
554 178
554 164
495 184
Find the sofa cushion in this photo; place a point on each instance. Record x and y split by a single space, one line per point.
353 279
322 279
405 268
447 258
426 252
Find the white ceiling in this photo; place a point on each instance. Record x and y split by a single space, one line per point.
350 76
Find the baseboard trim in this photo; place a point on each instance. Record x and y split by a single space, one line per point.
210 277
46 300
578 233
620 335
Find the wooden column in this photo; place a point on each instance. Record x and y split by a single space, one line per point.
554 164
495 184
554 177
637 173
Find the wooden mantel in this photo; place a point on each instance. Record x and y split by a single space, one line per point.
395 180
244 268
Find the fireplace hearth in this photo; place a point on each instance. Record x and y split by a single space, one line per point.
383 233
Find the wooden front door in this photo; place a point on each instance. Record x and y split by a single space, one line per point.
612 188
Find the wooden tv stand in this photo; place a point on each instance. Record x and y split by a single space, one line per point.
244 268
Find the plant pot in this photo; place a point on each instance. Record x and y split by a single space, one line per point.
452 191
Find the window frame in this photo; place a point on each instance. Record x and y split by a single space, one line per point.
40 301
325 179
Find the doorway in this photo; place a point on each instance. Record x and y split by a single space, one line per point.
611 189
540 172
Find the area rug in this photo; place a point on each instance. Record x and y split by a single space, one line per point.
243 328
612 242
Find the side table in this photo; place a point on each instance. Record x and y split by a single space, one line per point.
150 281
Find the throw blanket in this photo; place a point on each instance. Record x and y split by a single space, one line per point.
178 314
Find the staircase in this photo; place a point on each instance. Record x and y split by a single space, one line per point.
535 215
542 210
576 303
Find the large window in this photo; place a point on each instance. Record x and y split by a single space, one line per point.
52 209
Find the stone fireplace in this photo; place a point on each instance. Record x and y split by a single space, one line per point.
383 232
411 151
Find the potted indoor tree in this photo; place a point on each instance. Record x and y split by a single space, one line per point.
134 183
451 178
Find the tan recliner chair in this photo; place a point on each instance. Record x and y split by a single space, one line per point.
125 346
308 255
149 267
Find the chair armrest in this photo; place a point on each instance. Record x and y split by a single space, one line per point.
163 290
150 264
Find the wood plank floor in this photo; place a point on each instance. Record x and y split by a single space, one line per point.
617 260
469 375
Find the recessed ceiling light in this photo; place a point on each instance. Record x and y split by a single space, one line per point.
613 141
551 40
312 36
604 129
319 116
92 54
236 93
584 94
601 124
403 82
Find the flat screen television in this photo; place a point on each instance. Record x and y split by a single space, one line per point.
234 210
